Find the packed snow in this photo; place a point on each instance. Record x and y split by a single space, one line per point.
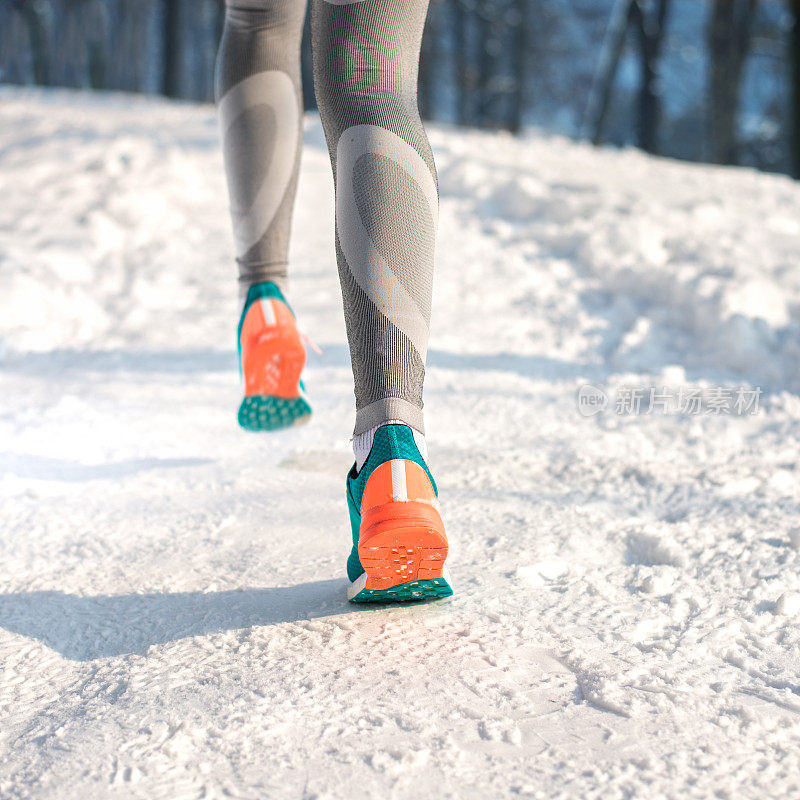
173 621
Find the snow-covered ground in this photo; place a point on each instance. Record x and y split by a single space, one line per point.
172 613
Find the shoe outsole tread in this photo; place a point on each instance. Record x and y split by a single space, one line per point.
414 591
266 413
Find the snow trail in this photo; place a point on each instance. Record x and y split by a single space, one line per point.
172 611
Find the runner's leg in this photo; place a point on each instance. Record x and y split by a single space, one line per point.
260 108
366 55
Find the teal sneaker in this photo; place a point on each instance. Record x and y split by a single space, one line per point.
399 542
271 359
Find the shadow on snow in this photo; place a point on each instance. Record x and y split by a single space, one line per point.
103 626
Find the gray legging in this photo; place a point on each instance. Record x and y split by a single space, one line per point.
366 55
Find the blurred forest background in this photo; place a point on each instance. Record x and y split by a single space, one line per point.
703 80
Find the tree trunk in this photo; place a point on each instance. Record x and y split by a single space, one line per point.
307 67
426 64
600 93
650 27
37 35
171 49
729 35
461 63
521 46
485 61
794 66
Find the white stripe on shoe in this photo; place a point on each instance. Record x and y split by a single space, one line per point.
399 486
268 311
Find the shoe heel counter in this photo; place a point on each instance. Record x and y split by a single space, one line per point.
398 480
273 357
396 442
257 292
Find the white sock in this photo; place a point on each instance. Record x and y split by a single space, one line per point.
362 443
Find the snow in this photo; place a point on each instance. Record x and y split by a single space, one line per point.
173 620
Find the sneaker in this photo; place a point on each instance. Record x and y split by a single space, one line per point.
399 543
271 358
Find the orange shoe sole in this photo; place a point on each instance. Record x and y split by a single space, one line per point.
402 542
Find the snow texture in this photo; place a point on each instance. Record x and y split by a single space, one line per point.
173 620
